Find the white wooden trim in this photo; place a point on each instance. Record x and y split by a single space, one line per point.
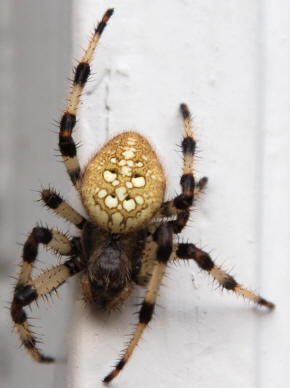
229 62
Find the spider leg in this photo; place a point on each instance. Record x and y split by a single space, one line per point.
205 262
28 290
54 201
168 209
67 145
148 255
180 205
162 240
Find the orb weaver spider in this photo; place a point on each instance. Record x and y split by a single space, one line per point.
127 236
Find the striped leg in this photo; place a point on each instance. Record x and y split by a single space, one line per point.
204 261
148 261
53 201
180 206
67 145
28 290
184 201
163 246
168 208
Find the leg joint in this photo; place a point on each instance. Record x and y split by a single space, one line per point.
163 237
229 283
51 199
203 260
75 175
24 295
188 145
42 235
146 312
185 251
183 201
74 265
37 236
18 315
67 146
75 246
68 122
187 183
82 73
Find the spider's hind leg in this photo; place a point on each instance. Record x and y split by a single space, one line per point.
162 241
226 281
28 290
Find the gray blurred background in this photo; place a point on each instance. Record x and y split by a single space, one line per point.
35 63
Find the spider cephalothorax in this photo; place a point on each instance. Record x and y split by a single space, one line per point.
127 236
110 269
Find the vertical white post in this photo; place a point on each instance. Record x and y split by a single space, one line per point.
153 56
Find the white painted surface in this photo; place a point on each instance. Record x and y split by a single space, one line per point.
229 62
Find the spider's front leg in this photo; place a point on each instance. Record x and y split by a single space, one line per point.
28 290
66 143
226 281
180 205
162 240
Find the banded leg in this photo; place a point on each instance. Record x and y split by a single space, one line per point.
25 294
163 245
54 201
148 258
204 261
67 145
25 291
187 183
168 208
53 239
180 205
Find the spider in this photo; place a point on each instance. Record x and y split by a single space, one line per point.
127 236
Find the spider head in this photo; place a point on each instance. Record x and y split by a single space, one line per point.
123 185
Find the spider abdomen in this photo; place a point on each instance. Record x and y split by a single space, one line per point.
123 185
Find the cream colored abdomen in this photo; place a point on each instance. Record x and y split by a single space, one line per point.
124 184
